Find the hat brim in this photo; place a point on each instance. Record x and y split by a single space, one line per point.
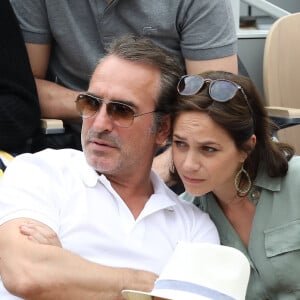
136 295
163 294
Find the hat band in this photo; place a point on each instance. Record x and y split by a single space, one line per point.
191 288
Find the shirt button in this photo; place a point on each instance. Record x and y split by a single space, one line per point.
255 195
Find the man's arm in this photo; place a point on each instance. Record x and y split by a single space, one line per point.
55 100
36 271
229 64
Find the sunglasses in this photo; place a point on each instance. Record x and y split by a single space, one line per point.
220 90
120 113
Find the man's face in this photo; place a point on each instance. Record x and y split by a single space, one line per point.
113 150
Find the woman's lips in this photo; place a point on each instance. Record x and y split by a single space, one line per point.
192 180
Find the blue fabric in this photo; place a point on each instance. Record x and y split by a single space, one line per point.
191 288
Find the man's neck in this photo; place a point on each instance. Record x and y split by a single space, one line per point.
134 196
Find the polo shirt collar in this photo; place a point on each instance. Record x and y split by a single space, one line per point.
264 181
88 174
162 198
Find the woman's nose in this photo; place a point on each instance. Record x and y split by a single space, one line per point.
192 161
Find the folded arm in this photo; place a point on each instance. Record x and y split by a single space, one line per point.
38 271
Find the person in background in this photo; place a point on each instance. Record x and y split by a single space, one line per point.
65 40
19 106
248 184
114 217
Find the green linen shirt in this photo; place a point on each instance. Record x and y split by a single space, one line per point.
274 246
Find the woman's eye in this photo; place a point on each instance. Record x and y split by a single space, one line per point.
209 149
179 144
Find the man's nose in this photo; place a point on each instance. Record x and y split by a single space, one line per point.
102 120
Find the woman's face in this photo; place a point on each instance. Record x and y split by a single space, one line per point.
204 155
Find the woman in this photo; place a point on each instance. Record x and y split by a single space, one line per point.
249 184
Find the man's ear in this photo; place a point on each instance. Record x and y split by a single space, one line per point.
164 130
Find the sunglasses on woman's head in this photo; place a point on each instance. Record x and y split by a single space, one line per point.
120 113
220 90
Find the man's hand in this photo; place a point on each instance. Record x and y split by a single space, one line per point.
40 233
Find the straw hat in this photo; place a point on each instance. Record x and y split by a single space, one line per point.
198 271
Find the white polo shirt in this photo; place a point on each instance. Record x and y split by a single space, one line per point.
58 188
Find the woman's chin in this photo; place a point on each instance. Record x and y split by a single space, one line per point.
195 190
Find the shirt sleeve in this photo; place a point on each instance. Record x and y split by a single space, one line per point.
207 29
33 20
29 190
203 229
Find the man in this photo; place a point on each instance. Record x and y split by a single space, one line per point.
113 215
65 39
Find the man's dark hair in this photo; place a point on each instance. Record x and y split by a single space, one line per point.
143 50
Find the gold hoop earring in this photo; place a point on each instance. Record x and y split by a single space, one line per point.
237 181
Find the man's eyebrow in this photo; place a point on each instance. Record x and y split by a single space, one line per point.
127 102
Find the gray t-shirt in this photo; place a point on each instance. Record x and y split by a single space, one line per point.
79 30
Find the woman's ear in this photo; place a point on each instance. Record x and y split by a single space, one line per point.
249 146
251 142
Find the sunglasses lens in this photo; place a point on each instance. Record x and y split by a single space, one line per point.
222 90
122 114
190 85
86 105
